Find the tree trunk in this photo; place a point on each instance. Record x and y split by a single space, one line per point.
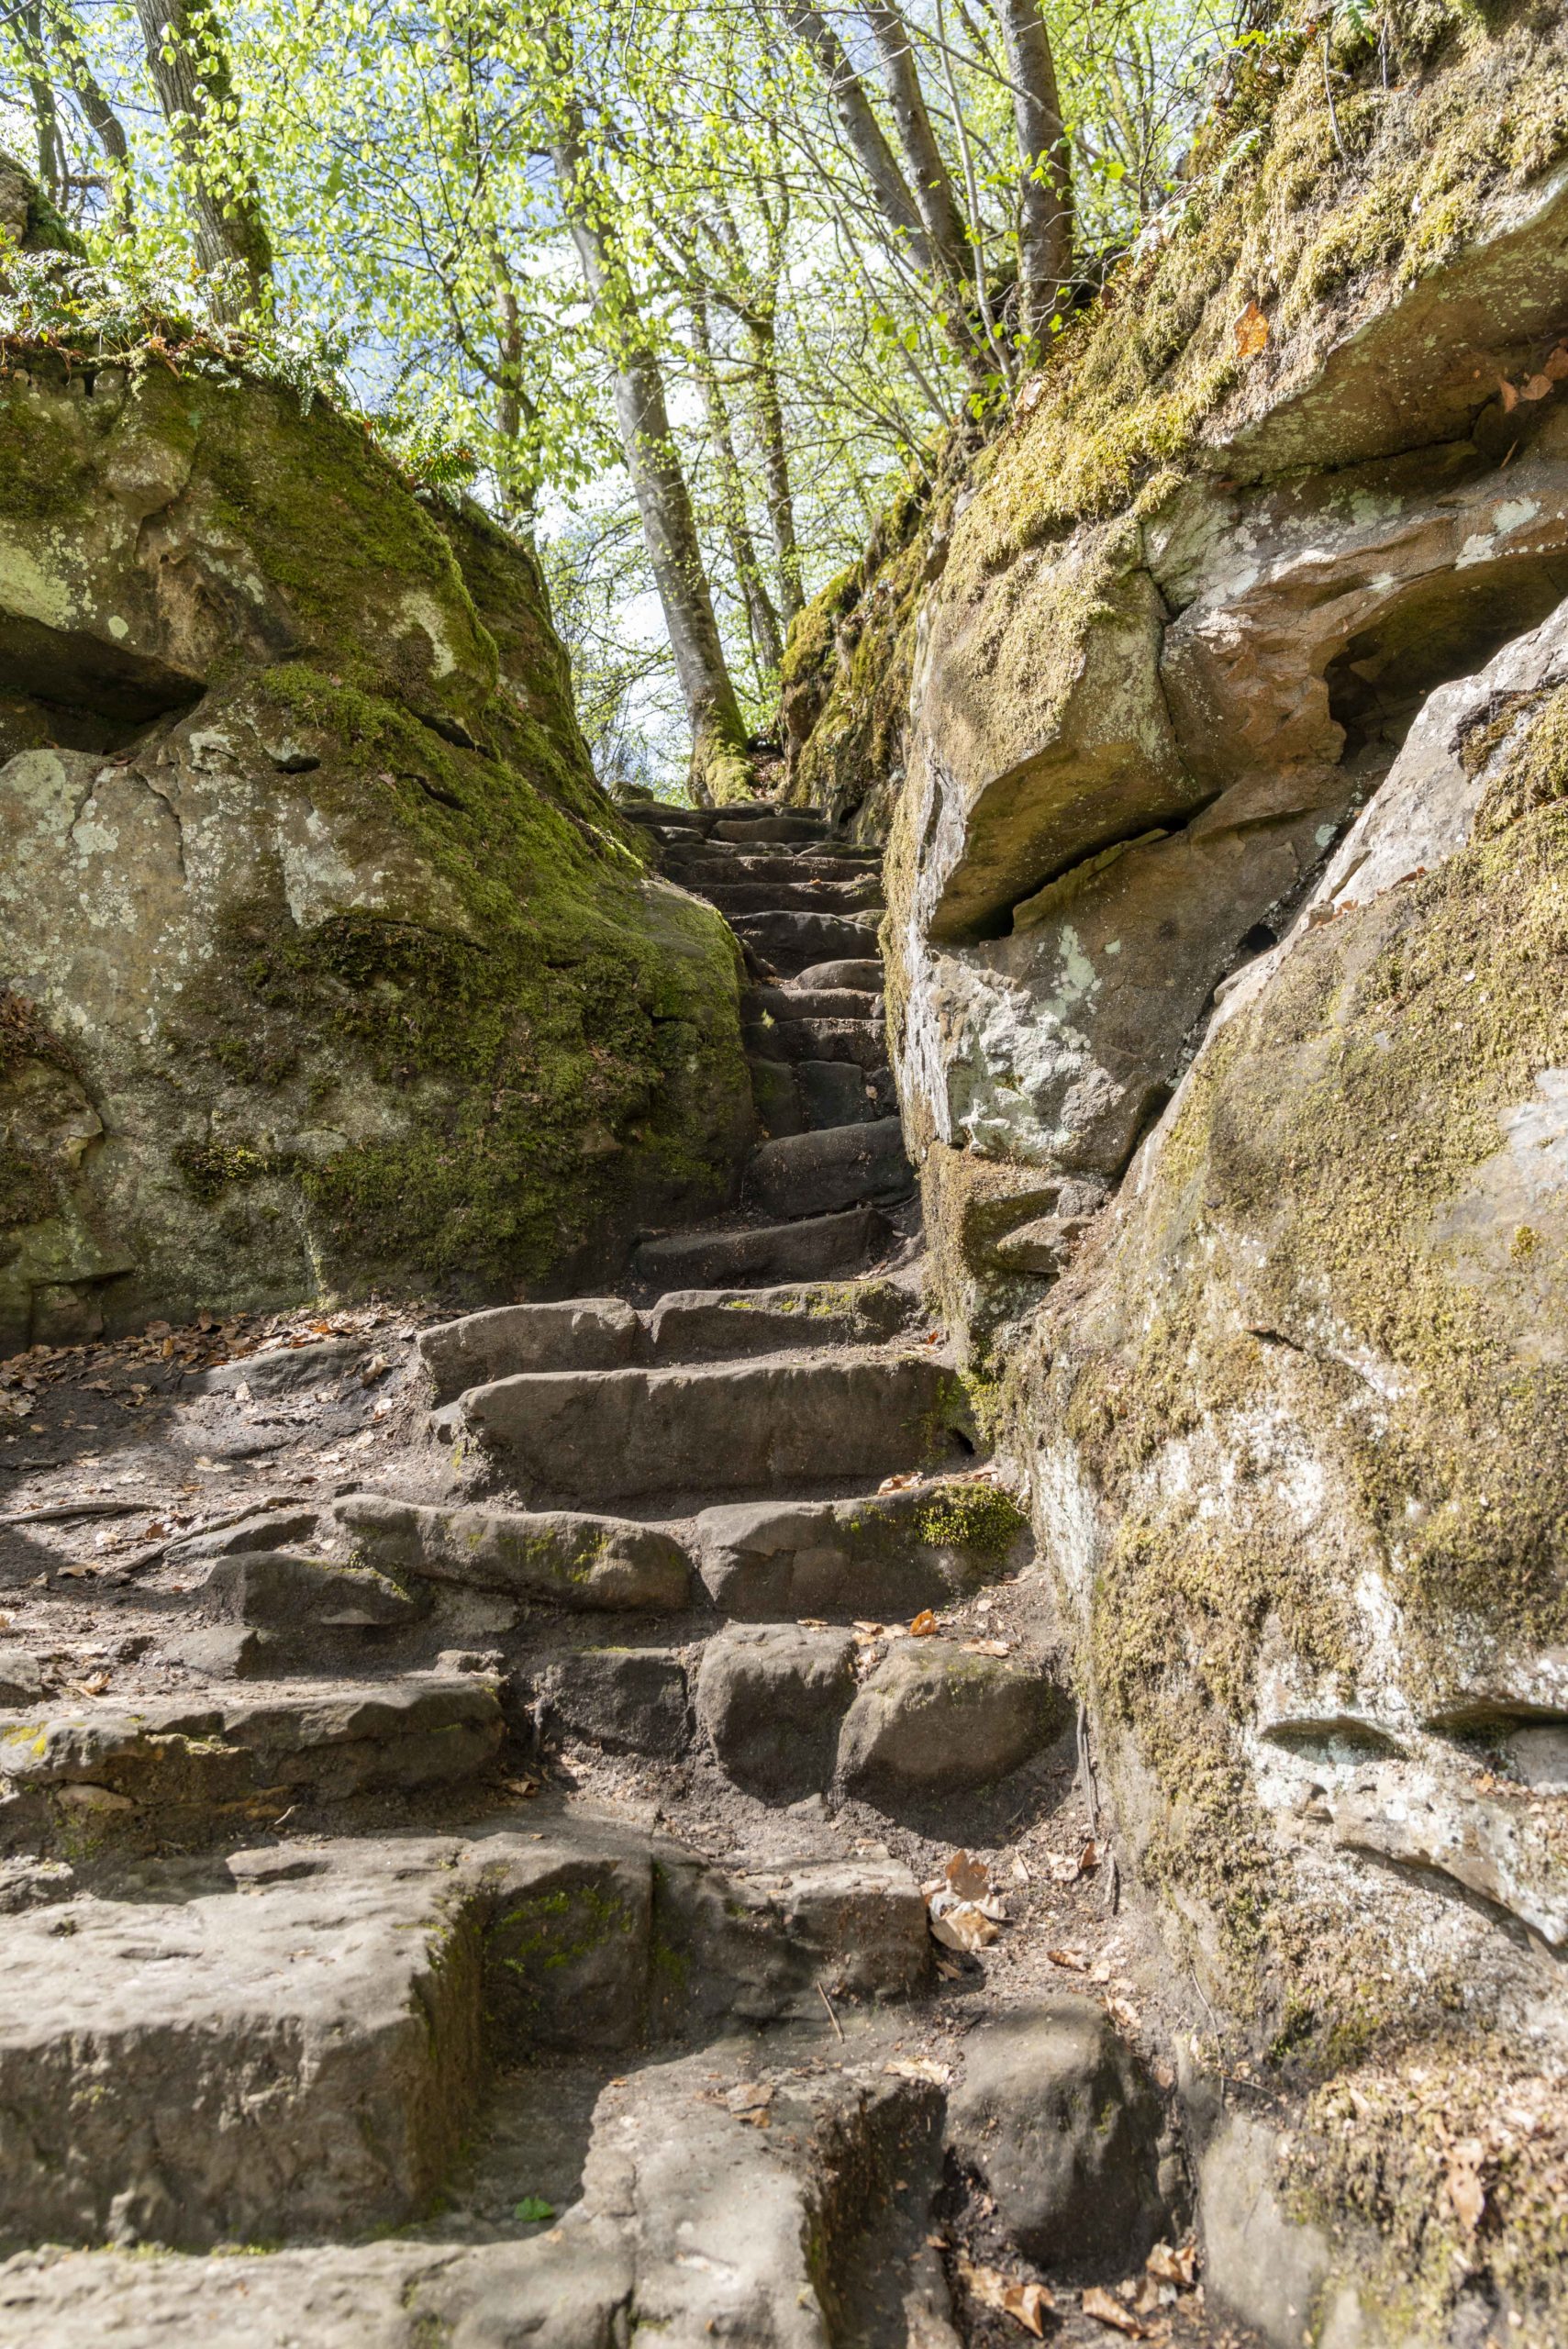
939 214
104 123
767 413
719 767
760 613
863 130
903 218
46 118
189 65
1045 205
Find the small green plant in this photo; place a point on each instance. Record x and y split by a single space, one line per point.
533 2210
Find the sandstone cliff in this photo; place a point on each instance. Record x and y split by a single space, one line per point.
324 961
1220 710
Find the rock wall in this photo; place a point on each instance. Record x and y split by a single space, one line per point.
1227 876
324 959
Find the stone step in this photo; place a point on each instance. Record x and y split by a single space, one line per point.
780 1424
584 1333
119 1773
812 1173
790 940
731 825
885 1555
785 1716
600 1333
793 1001
808 2216
775 1092
726 1324
296 2041
813 1248
863 1042
791 896
587 1564
716 862
660 814
838 1093
864 975
806 1096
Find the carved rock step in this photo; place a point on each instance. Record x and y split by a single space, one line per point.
120 1772
718 863
792 2218
732 827
812 1173
883 1555
686 1325
849 896
294 2041
586 1436
586 1564
795 941
797 1038
864 975
781 1710
809 1097
794 1001
813 1248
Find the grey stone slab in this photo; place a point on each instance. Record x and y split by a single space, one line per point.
574 1560
584 1333
739 1427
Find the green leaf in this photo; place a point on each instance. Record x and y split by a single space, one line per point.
533 2210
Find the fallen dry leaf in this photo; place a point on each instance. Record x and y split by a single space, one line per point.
1074 1959
1025 2303
969 1878
1123 2013
900 1483
1172 2266
1537 389
1466 2194
965 1928
987 1647
752 2102
1506 393
918 2067
1252 332
1102 2305
924 1625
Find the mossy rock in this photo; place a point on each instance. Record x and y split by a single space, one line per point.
359 976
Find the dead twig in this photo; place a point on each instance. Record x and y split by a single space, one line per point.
831 2016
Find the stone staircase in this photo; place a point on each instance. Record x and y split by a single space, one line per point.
324 1954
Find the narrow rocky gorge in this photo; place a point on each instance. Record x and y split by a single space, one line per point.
502 1918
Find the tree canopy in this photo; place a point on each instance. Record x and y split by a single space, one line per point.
678 293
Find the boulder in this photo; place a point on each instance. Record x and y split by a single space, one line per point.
769 1699
324 961
1056 2117
932 1721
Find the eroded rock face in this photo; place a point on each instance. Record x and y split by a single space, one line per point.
1227 890
324 958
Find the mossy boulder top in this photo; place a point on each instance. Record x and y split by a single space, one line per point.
326 962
